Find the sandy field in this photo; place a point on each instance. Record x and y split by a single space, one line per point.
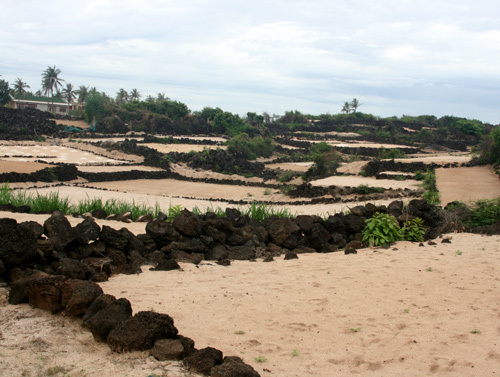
406 310
467 184
52 153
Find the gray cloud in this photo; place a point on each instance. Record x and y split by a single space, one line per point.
397 57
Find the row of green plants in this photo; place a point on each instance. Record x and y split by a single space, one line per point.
46 203
431 193
480 213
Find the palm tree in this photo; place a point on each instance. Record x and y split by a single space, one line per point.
122 96
355 104
82 92
20 87
69 93
161 97
51 80
346 108
135 95
150 99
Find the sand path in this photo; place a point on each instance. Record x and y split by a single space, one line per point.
466 184
375 313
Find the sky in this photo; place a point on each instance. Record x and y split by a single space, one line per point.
397 57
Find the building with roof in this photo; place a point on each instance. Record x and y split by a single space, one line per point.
54 105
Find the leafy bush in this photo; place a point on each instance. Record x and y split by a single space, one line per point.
381 229
419 175
432 197
484 212
390 153
414 230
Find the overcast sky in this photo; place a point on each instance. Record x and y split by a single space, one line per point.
414 57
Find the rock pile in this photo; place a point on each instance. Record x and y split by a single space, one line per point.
26 124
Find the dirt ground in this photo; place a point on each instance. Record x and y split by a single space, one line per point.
467 184
407 310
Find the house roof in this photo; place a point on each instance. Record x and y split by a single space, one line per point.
31 98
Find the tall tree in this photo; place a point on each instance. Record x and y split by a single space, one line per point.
355 104
346 108
135 95
82 92
122 96
20 87
69 93
4 92
51 80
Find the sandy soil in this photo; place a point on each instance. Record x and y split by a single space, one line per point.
437 158
406 310
75 123
354 181
467 184
183 148
53 153
293 166
8 166
111 168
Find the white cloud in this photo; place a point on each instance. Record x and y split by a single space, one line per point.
397 56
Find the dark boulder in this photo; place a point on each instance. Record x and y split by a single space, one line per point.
19 289
77 295
168 349
354 224
46 293
244 252
187 223
166 264
113 238
58 229
106 319
6 226
35 229
317 237
98 304
217 253
73 269
233 366
202 361
140 332
281 229
18 247
291 255
86 231
162 232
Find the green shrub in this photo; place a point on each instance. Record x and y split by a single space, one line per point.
390 153
381 229
286 176
419 175
363 189
432 197
414 230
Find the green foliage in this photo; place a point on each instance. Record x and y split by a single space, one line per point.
381 229
414 230
390 153
287 189
229 124
286 176
490 148
4 92
483 212
260 359
243 146
419 175
95 106
363 189
429 181
432 197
